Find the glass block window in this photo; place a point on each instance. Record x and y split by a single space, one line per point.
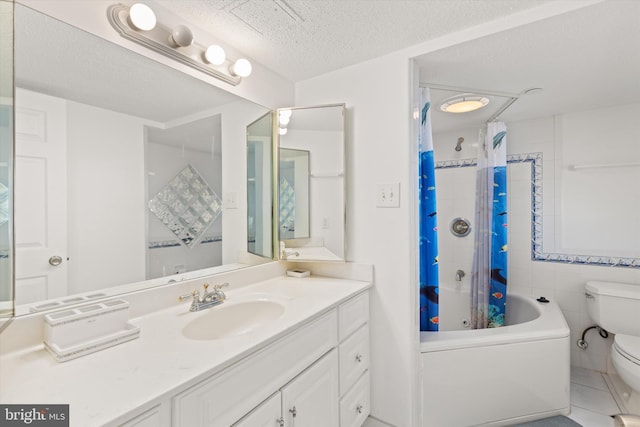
187 206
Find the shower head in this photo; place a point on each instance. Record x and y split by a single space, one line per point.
459 144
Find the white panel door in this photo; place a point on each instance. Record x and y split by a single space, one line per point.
41 197
312 398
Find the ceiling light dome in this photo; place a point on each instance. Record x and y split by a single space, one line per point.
464 103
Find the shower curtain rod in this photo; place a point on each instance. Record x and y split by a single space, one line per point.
468 90
502 109
513 97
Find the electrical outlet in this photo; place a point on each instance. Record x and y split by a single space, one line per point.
388 195
230 201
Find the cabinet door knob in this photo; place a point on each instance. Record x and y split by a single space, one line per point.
280 421
55 260
359 409
358 358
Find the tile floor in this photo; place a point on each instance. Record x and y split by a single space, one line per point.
591 400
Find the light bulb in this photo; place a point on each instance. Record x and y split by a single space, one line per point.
214 55
181 36
240 68
282 131
142 17
284 120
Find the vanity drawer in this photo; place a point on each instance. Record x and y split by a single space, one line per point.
353 314
356 405
226 397
354 358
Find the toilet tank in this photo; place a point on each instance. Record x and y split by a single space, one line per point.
614 306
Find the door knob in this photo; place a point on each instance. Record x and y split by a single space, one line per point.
55 260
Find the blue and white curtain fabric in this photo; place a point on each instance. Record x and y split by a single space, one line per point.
427 221
489 271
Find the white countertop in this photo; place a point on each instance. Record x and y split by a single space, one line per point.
108 385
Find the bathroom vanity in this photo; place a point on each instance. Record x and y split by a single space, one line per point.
305 364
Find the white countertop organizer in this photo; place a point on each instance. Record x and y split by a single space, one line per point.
86 329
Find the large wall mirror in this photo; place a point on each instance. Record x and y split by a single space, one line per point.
128 173
584 125
311 183
6 157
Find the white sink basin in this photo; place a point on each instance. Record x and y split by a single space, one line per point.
234 319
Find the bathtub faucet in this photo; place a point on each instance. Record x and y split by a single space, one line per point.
459 275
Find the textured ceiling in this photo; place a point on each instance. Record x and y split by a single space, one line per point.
300 39
583 59
586 59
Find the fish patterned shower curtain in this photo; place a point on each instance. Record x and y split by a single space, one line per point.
427 221
489 271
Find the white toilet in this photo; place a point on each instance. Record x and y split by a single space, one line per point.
615 307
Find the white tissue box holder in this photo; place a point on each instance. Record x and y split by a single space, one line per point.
79 331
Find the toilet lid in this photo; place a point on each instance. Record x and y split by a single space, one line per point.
629 346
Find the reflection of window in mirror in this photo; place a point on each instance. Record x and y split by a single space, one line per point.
184 186
294 194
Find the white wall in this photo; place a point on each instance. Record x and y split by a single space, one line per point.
378 146
106 203
576 140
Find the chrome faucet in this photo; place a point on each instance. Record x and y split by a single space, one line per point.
459 275
208 300
286 253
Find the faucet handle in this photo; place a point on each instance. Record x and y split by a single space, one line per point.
218 290
218 287
193 295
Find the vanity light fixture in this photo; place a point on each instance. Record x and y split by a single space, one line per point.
464 103
138 23
181 36
241 68
215 55
284 117
142 17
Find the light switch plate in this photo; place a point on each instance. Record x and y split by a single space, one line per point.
388 195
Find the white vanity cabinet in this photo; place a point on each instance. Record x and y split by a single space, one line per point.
223 399
315 376
309 400
354 354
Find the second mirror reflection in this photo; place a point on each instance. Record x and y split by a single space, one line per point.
311 183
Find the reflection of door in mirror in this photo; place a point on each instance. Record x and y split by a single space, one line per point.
184 184
259 186
40 213
294 194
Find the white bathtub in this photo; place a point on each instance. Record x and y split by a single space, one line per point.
500 376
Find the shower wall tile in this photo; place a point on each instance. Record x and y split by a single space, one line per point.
562 282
